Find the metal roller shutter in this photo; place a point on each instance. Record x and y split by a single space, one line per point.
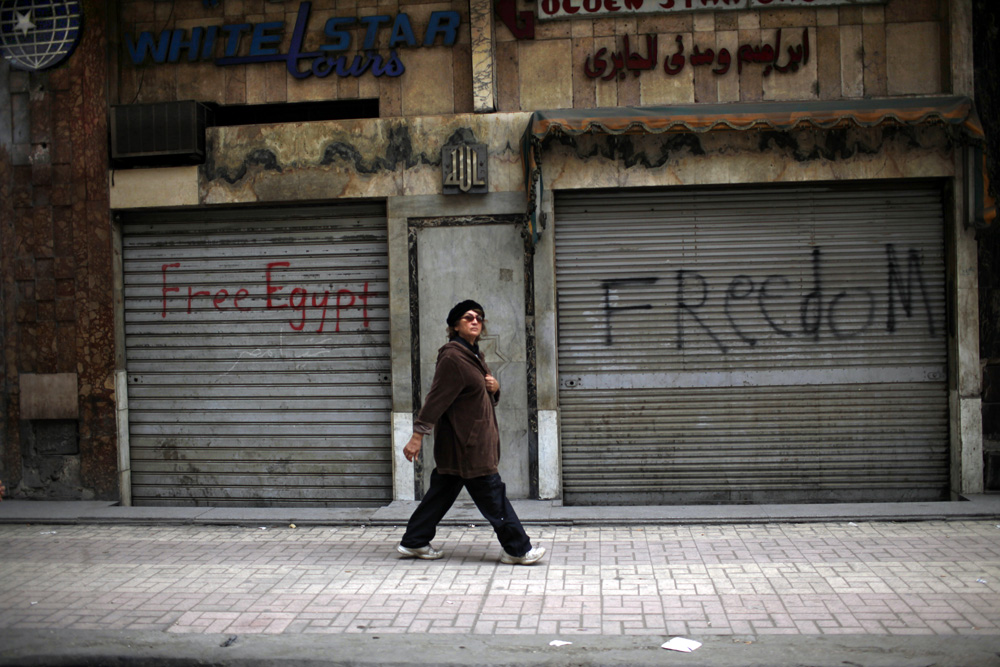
257 356
757 344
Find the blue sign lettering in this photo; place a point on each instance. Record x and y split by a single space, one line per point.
343 37
258 45
445 23
201 43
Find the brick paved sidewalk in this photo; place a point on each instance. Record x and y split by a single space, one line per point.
926 578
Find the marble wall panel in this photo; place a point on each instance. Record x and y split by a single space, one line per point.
857 51
584 87
828 62
504 133
428 84
873 40
852 71
798 85
706 89
361 158
728 85
537 62
582 166
751 78
827 16
629 90
668 23
483 52
747 157
606 92
913 65
658 87
508 87
787 18
914 10
304 161
748 20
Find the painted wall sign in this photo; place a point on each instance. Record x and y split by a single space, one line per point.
617 64
317 309
570 9
251 43
463 169
825 312
38 34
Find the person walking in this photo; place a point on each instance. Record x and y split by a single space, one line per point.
459 410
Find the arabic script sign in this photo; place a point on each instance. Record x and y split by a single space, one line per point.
577 9
463 168
607 66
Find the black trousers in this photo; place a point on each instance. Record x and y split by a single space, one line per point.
490 495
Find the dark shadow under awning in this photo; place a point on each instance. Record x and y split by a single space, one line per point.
956 112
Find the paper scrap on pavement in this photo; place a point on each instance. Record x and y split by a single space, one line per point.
681 644
559 642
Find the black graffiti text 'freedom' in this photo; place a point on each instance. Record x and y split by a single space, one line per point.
818 307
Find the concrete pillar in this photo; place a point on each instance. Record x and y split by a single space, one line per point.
547 358
965 399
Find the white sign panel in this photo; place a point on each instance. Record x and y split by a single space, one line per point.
574 9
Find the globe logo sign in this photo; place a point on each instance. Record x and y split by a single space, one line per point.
38 34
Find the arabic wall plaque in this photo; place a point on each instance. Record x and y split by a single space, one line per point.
637 55
580 9
464 169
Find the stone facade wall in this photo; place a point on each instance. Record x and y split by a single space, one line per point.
437 80
872 51
55 241
900 48
56 251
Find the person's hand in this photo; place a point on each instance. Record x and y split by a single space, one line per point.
492 385
412 448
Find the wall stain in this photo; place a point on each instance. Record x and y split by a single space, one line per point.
398 151
654 151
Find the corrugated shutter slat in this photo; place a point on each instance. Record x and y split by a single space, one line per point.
247 390
752 344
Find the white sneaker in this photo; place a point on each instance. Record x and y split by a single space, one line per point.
529 558
425 553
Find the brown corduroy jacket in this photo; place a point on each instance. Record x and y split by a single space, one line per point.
459 410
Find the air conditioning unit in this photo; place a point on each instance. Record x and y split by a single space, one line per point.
165 134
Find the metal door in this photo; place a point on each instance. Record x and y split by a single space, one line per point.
753 344
257 356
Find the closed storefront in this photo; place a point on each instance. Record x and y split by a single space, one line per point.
257 356
777 343
729 254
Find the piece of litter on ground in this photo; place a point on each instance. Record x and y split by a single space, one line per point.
559 642
851 523
48 532
263 527
681 644
980 581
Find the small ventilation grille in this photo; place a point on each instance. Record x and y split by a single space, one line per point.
158 135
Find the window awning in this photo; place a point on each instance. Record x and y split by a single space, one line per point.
955 112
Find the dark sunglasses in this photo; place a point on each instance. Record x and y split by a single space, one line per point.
473 318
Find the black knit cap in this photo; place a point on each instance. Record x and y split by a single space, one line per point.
460 309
